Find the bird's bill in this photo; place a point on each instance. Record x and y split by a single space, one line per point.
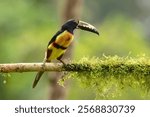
88 27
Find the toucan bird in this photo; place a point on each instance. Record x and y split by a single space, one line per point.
61 40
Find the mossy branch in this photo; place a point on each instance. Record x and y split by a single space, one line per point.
105 75
110 65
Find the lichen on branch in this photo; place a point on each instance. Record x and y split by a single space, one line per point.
108 75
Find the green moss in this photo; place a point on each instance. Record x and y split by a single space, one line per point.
109 75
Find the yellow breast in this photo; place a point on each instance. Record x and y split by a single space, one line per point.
64 39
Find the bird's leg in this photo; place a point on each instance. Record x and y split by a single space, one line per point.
59 58
62 61
45 60
44 63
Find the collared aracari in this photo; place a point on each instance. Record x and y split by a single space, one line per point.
61 40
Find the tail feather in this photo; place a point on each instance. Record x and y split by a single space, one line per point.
40 73
37 78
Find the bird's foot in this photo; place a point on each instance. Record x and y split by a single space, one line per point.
62 62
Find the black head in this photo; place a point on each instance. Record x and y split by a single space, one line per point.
72 24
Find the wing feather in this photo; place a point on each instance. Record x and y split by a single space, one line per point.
54 37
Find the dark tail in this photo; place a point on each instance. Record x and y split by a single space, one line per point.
37 78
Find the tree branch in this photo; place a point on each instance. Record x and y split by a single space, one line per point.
101 74
108 65
30 67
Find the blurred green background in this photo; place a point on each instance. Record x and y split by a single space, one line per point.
26 26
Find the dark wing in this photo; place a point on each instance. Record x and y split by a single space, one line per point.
54 37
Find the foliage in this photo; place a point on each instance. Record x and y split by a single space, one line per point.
109 75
